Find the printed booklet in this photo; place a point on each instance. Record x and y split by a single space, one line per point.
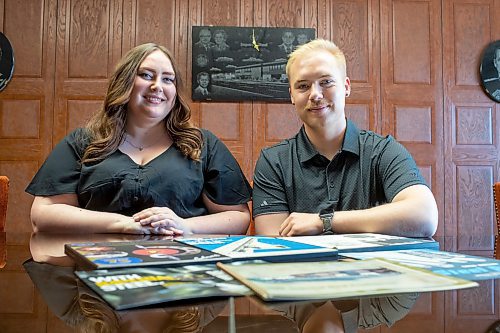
127 288
446 263
364 242
337 279
139 253
262 247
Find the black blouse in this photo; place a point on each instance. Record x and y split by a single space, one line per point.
118 184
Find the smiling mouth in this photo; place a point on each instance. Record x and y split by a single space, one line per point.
154 99
317 107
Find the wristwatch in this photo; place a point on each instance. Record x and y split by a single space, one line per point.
327 219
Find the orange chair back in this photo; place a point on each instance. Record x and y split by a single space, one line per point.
496 200
4 197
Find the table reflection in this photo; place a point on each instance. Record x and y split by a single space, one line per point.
52 272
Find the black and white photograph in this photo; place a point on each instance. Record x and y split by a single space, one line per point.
490 70
243 63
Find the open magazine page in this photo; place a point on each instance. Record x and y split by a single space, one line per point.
446 263
334 280
262 247
368 242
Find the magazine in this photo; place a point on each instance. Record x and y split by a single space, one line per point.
91 255
446 263
364 242
337 279
127 288
262 247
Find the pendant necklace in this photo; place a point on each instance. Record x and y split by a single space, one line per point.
140 148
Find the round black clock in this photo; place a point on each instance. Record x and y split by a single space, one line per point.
490 70
6 61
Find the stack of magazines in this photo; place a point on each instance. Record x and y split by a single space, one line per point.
134 274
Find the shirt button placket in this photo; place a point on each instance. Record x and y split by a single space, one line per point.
329 182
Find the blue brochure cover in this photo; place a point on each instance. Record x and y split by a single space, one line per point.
260 247
364 242
446 263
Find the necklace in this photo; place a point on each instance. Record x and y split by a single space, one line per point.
140 148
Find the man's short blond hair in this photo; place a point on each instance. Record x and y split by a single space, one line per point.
317 45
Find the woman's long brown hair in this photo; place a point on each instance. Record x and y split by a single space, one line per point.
106 129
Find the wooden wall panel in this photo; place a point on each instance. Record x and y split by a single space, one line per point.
350 18
26 105
471 153
411 50
32 17
79 76
411 81
88 39
412 109
352 25
471 118
154 21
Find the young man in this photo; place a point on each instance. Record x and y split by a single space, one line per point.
201 91
332 177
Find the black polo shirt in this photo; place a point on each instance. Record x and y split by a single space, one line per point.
368 171
119 185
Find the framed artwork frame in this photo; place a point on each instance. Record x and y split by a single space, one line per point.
490 70
6 61
243 63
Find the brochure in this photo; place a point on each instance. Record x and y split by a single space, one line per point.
337 279
91 255
446 263
135 287
262 247
364 242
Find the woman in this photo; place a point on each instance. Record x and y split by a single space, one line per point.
139 166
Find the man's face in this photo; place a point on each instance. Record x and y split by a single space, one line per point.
202 60
318 88
205 36
288 38
203 81
301 39
496 60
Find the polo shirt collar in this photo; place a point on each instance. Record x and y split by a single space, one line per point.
351 138
350 144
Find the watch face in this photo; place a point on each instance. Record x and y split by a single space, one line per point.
327 221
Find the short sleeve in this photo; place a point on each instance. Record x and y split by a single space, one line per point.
60 172
269 195
225 183
397 169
